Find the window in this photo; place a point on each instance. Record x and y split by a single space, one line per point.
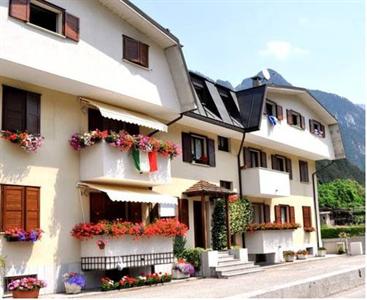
303 171
21 110
198 148
135 51
254 158
261 213
46 15
223 143
205 98
295 119
282 163
20 207
317 128
307 220
270 108
284 214
102 208
97 121
226 184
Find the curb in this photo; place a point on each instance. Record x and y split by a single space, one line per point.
315 287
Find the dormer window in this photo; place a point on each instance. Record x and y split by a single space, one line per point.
295 119
46 15
317 128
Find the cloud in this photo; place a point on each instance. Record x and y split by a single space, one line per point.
281 50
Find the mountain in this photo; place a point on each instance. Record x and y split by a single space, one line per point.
351 118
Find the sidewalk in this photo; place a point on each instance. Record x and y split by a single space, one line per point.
247 284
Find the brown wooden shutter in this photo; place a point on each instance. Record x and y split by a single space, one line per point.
278 214
183 211
264 162
135 212
19 9
14 109
131 50
247 157
211 152
322 127
71 27
32 208
302 122
303 170
288 166
306 210
289 117
98 209
33 113
310 121
12 198
274 163
292 217
279 112
266 213
144 54
186 147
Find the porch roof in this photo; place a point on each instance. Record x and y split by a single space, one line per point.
203 187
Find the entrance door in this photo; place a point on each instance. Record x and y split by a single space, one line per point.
198 225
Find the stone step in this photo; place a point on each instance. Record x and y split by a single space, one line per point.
226 258
243 266
228 274
232 262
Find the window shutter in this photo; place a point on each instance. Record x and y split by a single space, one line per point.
131 49
302 122
144 54
278 218
292 217
32 208
19 9
288 165
266 213
279 112
183 211
14 109
322 127
33 113
135 212
186 147
289 117
274 163
12 207
247 157
306 210
154 212
264 162
303 170
98 209
71 27
211 152
310 124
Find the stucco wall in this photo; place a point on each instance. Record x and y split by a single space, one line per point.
55 169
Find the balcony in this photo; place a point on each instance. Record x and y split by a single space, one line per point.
265 183
103 163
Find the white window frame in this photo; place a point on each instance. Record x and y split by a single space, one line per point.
53 8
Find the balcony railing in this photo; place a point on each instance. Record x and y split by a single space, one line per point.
103 163
266 183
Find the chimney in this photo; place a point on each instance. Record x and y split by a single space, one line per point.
256 81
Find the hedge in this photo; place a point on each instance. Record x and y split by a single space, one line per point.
333 232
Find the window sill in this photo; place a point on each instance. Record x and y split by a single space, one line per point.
200 164
296 127
319 136
304 182
136 65
46 30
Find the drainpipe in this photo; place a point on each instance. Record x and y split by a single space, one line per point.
316 203
240 178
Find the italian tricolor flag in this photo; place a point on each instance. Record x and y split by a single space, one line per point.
145 162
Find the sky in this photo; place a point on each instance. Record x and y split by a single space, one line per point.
316 44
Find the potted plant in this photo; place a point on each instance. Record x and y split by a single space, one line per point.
182 269
289 255
321 252
302 254
27 287
74 282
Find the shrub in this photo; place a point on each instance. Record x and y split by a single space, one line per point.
219 230
333 232
288 253
179 246
240 215
193 256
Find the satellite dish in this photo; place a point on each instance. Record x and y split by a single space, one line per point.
266 74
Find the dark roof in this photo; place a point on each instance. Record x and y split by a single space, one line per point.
206 188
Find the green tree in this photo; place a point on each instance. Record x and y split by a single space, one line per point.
240 215
341 193
219 230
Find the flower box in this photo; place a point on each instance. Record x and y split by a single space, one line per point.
301 256
176 274
26 294
72 288
321 252
289 258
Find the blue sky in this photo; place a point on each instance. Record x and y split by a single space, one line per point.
314 44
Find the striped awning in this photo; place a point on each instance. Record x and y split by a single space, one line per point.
124 115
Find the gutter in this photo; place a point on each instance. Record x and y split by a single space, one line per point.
316 203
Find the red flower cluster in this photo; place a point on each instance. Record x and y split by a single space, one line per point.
309 229
162 227
272 226
233 198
